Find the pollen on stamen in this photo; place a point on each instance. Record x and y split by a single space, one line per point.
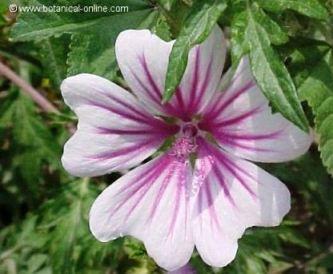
183 147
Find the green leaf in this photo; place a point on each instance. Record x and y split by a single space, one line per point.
93 35
197 27
42 25
238 43
271 74
238 29
167 4
310 8
59 230
302 55
162 29
20 114
36 262
65 218
7 108
317 89
53 54
69 227
32 140
30 131
94 52
3 9
276 35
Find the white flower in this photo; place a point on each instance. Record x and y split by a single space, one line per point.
171 203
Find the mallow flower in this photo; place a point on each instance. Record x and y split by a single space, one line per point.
201 190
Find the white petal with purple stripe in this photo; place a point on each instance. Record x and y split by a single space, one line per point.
114 132
242 122
151 204
234 195
143 60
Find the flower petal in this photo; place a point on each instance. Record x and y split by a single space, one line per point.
242 122
234 194
143 60
114 129
149 203
186 269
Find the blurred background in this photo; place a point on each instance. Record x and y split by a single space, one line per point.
44 211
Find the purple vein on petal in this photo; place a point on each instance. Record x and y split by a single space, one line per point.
180 99
211 125
154 87
240 118
218 175
186 199
181 105
239 178
161 191
118 111
204 86
241 170
224 186
123 151
219 156
142 116
146 89
129 107
143 177
142 194
149 77
180 192
175 210
145 131
136 115
250 137
210 205
195 80
200 205
236 143
240 140
158 172
217 109
144 182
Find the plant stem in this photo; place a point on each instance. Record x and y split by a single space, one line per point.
39 99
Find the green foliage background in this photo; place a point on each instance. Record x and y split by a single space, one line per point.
43 210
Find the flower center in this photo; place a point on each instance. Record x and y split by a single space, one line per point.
185 143
189 130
